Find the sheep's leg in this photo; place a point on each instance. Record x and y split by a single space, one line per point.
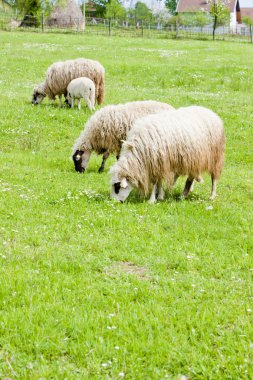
89 104
187 187
72 102
160 195
79 104
198 179
105 156
175 178
214 183
60 101
152 198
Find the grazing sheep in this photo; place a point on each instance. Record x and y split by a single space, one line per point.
161 147
59 75
105 130
81 88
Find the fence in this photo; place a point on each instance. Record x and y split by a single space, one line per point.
108 27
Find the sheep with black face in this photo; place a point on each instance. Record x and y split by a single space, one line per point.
106 128
159 148
60 74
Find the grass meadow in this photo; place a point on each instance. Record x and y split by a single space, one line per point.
93 289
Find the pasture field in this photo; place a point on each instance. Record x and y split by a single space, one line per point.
93 289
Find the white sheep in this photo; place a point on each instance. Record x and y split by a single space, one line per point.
81 88
105 130
60 74
161 147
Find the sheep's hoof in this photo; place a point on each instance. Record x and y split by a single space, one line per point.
100 170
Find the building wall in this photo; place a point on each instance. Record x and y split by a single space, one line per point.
5 6
233 22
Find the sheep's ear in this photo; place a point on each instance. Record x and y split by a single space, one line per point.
123 183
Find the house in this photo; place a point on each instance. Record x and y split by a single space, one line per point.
246 8
192 6
90 9
5 6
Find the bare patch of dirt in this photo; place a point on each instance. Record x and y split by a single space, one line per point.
131 268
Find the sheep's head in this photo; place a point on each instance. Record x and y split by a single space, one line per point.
38 95
81 159
68 99
120 189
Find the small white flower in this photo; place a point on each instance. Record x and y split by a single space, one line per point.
104 364
116 347
249 310
121 374
209 207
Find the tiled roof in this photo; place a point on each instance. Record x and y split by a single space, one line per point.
247 12
196 5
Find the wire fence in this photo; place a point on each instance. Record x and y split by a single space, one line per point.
107 27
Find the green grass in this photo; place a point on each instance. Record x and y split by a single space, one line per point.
92 289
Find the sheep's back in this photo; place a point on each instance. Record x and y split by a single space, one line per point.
111 124
61 73
188 140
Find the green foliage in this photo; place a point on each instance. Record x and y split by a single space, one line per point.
93 289
115 10
219 11
142 12
171 5
247 20
100 6
176 20
201 19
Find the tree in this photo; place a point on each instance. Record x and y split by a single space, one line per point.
248 21
176 21
31 10
201 19
171 5
115 9
161 15
220 13
100 6
142 12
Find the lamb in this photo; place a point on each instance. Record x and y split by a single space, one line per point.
161 147
81 88
105 130
60 74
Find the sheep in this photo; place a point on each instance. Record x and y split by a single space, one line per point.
59 75
81 88
106 129
161 147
